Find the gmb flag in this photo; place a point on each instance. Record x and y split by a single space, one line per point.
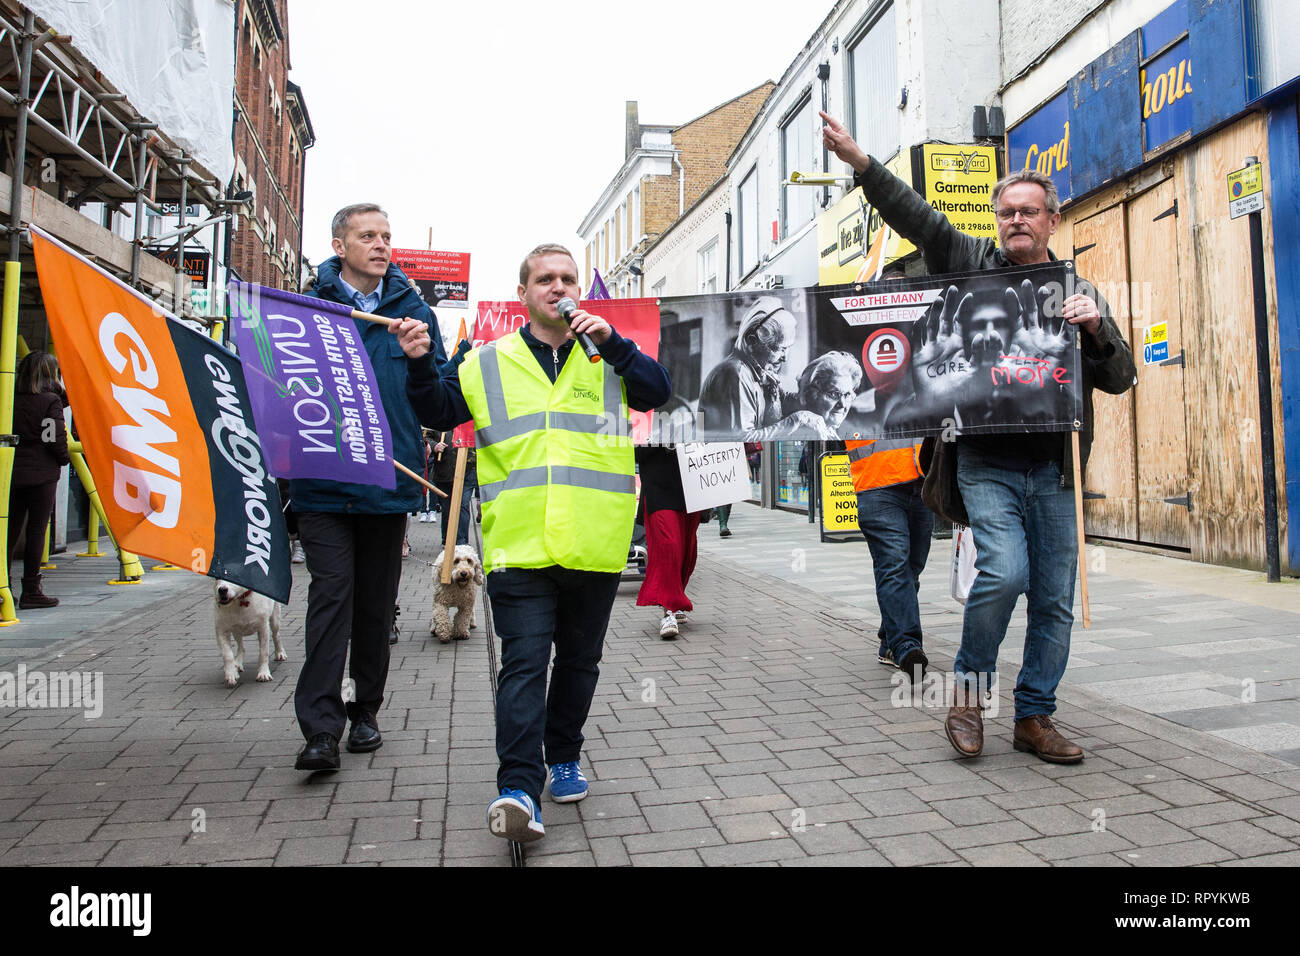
314 392
164 417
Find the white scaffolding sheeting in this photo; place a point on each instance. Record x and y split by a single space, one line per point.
174 60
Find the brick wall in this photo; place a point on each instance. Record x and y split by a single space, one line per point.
266 144
708 141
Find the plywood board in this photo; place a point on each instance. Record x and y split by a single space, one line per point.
1103 260
1159 411
1224 460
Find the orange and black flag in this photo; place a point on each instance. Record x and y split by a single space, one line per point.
164 416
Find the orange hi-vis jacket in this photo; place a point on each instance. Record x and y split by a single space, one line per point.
884 462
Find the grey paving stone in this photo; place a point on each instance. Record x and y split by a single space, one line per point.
913 849
1191 853
985 834
1244 839
1147 829
1006 854
676 816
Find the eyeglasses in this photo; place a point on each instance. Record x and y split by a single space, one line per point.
1025 212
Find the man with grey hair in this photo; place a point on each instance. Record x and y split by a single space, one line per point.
352 534
1016 488
742 393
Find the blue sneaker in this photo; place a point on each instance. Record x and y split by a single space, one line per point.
514 816
567 783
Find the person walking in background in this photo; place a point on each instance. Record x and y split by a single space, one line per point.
670 538
443 466
38 461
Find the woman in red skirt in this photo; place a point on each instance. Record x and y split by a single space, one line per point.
670 538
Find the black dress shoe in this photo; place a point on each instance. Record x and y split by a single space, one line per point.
365 735
321 753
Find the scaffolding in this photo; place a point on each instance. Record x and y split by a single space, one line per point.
69 139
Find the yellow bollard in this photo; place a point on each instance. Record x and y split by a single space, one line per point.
46 563
92 537
130 570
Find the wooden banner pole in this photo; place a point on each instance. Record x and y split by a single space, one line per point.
1078 523
453 522
416 478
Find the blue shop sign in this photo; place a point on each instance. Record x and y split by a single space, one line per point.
1042 142
1167 95
1166 80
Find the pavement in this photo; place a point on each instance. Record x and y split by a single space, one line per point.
767 734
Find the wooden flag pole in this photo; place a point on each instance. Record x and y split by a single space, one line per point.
416 478
1078 523
371 317
453 523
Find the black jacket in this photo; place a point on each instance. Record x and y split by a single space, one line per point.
1107 360
37 418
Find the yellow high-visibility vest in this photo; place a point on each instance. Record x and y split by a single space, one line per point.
555 466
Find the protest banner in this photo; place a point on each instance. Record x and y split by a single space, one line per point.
968 354
315 397
713 474
635 319
442 277
165 420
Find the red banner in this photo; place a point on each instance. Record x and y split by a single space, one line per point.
443 277
635 319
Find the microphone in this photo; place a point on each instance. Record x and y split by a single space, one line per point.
566 307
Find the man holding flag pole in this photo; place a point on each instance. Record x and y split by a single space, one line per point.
351 532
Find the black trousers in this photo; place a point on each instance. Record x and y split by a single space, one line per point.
532 609
33 504
356 565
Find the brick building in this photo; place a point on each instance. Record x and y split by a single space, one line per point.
272 133
665 170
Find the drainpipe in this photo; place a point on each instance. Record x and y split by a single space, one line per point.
728 286
681 183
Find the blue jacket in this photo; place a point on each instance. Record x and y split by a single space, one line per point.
400 301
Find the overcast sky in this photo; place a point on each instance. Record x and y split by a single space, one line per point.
498 122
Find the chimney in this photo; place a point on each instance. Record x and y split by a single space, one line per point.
632 139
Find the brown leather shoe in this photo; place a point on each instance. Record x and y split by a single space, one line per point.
1036 735
965 723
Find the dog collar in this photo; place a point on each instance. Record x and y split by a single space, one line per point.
243 598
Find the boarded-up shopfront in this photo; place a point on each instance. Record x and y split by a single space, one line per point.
1142 142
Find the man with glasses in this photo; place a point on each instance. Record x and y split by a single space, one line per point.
1016 487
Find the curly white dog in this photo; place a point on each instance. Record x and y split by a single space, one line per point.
240 611
461 593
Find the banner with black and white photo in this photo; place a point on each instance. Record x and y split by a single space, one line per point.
978 352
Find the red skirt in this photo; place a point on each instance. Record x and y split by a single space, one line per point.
670 559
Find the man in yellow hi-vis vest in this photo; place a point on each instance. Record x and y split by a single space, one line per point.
556 481
897 526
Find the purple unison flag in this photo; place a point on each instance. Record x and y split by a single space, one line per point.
314 394
597 290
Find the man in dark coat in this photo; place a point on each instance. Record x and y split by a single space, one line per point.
1016 488
352 533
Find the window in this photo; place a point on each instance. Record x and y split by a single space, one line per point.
708 262
797 202
747 222
636 213
873 72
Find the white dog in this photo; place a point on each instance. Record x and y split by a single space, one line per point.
240 611
461 593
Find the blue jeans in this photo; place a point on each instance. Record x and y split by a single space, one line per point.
531 609
897 526
1023 523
